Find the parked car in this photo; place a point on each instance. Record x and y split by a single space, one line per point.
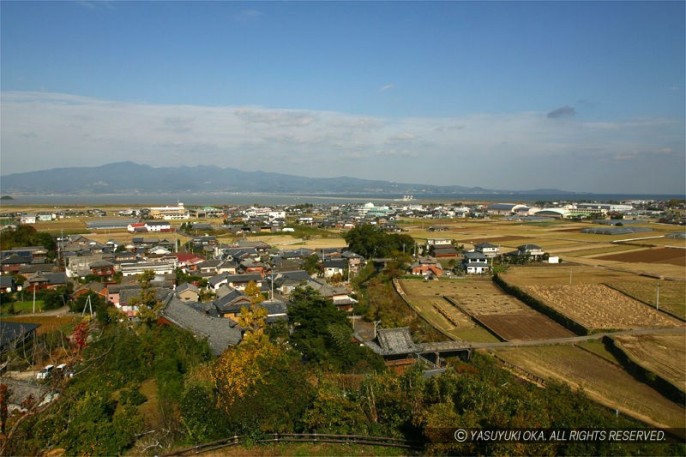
45 372
64 371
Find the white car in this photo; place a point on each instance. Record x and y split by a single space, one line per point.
45 372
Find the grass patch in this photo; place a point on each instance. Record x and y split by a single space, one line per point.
21 307
598 348
48 323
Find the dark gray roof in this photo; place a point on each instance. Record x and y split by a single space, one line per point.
485 245
187 286
474 256
396 340
125 295
12 331
219 332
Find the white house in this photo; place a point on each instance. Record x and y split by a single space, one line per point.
488 249
475 263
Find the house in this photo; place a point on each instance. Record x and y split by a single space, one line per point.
102 268
220 333
158 226
188 292
532 251
333 267
445 252
427 267
286 282
238 282
230 304
8 284
188 261
15 335
488 249
13 263
129 297
51 281
475 263
136 227
439 242
158 268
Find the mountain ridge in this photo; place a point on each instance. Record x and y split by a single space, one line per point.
130 177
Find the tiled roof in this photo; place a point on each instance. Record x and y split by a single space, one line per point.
396 340
219 332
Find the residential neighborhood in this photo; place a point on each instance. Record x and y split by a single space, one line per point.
349 287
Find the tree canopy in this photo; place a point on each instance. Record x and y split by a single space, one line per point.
371 241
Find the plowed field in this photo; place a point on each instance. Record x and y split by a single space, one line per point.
673 256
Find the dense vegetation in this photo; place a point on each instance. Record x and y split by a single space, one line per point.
25 235
371 241
147 388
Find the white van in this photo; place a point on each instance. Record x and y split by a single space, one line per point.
45 372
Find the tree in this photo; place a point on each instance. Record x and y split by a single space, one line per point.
149 306
322 334
311 264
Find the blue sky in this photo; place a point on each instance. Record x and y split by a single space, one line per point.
584 96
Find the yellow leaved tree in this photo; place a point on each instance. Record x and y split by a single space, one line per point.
242 366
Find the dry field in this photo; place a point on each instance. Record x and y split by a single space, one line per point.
598 307
672 294
664 355
674 256
504 315
427 300
601 380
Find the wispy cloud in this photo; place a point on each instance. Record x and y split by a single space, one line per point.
502 151
387 87
564 111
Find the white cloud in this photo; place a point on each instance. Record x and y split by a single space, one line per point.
502 151
387 87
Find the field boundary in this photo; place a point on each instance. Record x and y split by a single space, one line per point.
650 305
399 290
643 374
473 318
541 307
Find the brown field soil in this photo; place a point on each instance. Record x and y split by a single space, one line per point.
672 294
480 298
596 306
674 256
601 380
524 326
584 251
664 355
426 299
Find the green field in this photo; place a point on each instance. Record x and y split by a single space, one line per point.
21 307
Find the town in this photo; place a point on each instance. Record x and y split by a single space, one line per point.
405 287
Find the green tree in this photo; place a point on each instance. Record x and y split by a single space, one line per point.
311 264
322 334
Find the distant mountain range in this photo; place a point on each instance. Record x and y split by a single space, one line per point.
133 178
